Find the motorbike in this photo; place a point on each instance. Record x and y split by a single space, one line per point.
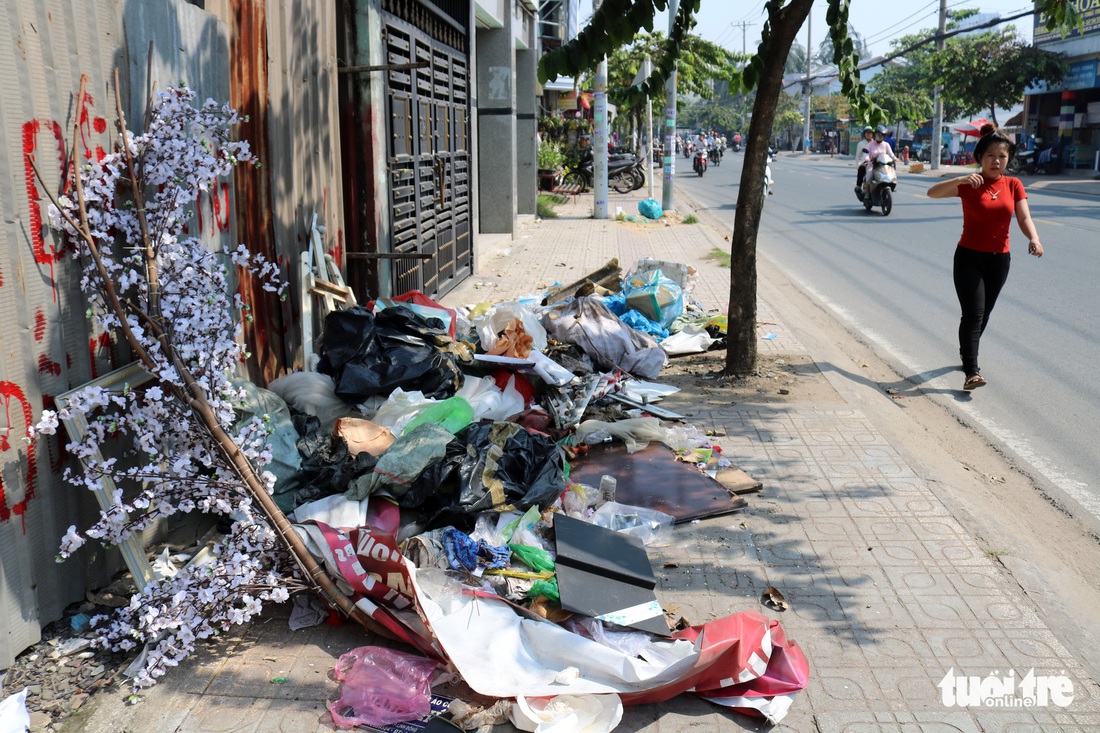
879 185
624 171
768 180
699 163
714 154
1022 162
1045 161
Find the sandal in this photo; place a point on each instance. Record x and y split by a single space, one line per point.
974 381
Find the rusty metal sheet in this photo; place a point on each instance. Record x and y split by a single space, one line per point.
653 478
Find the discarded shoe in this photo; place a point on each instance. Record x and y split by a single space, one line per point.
974 381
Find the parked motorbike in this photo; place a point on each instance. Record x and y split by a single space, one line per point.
624 172
1046 162
1022 162
699 163
879 185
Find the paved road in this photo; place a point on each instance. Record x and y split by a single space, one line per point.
890 279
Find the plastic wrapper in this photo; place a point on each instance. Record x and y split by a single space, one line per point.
548 588
399 409
369 354
636 432
648 525
655 296
381 687
452 414
689 340
535 558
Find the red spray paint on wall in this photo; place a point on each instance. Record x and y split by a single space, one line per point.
10 391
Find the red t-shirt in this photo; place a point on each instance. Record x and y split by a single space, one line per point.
988 212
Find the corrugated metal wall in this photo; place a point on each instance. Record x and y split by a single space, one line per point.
284 77
46 347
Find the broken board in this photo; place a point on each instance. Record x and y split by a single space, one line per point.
606 575
654 479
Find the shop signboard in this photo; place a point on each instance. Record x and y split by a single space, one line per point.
1089 12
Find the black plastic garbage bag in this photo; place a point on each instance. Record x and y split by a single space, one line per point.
327 464
375 353
490 467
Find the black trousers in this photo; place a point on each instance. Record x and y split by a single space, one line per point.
979 277
860 173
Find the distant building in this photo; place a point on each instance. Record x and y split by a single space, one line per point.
1068 113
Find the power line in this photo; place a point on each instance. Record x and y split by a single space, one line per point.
932 39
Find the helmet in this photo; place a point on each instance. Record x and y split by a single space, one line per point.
881 129
868 128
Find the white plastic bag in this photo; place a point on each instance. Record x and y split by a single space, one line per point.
568 713
489 401
399 409
498 317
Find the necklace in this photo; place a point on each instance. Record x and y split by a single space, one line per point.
994 191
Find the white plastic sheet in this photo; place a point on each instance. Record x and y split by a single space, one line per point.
13 713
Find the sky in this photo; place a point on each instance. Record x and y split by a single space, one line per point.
878 21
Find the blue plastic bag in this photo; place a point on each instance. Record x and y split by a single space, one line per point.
655 296
650 209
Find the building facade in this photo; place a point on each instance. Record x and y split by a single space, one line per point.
1068 114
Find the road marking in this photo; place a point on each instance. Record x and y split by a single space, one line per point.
1049 222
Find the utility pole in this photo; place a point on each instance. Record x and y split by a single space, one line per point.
937 114
670 119
809 82
647 69
744 25
599 139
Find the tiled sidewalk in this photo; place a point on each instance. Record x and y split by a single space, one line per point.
887 591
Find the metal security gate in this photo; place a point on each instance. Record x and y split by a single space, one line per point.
429 154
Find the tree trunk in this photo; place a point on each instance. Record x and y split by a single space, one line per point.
741 322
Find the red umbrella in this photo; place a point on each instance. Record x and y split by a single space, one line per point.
972 128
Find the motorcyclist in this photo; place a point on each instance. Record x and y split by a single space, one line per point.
878 146
861 153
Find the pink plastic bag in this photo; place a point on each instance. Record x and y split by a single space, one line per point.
382 686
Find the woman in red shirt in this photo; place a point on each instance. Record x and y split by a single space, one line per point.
989 200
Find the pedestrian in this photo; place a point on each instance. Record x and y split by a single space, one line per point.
989 199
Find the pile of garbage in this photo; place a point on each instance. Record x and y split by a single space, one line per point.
430 463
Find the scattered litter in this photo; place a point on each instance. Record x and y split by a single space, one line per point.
772 598
279 680
770 336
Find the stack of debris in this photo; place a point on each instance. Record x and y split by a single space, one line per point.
472 479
